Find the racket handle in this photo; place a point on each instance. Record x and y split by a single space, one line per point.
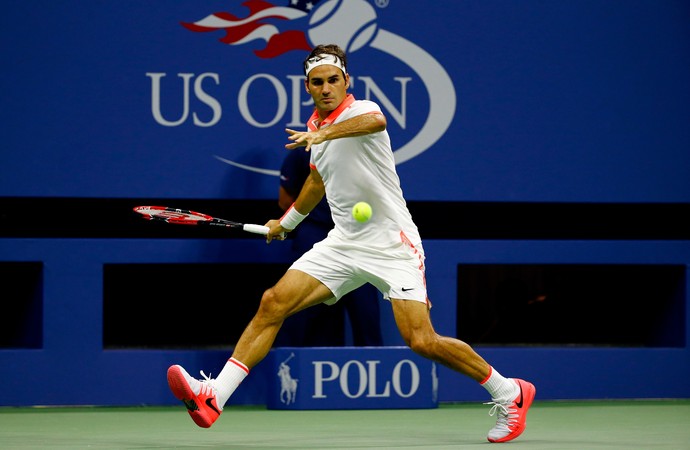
258 229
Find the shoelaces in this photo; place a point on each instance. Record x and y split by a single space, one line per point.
208 386
504 415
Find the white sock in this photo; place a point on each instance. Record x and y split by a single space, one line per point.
229 378
499 387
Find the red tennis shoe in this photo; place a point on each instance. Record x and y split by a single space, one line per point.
199 396
511 416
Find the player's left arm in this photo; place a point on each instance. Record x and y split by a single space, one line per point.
363 124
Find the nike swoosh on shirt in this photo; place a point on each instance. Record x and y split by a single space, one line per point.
407 289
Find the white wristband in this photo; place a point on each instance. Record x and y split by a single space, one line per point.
292 218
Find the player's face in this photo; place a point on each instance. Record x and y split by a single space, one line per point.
328 87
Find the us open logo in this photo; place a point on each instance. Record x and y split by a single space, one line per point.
352 24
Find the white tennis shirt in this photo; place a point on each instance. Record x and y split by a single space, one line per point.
362 168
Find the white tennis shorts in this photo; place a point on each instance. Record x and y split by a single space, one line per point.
343 266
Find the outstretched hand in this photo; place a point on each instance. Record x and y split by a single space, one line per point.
303 139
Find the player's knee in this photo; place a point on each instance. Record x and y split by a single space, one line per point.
272 307
422 343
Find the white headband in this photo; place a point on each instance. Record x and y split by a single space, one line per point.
323 60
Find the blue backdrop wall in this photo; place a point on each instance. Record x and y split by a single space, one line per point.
495 100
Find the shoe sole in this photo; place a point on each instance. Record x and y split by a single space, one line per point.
178 384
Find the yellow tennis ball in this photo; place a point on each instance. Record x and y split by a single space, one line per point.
362 212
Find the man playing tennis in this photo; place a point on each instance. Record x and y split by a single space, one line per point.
351 161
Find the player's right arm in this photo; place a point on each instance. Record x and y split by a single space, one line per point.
311 194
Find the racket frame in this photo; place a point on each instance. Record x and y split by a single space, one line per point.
188 217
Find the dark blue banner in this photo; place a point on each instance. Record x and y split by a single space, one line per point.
497 100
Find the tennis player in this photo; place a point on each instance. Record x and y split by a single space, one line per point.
351 161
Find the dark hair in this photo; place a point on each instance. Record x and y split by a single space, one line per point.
328 49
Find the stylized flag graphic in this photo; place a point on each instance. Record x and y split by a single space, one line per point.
257 25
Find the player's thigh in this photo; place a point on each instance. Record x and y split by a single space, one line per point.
297 290
412 319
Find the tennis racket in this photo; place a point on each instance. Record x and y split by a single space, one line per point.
186 217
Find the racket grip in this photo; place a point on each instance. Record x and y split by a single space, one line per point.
258 229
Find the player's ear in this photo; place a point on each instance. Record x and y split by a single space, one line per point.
306 85
347 81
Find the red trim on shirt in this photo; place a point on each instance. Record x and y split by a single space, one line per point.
405 240
313 120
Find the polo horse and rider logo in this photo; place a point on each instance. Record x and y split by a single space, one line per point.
288 385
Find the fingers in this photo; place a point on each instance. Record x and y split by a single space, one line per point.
277 237
293 134
275 231
299 139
